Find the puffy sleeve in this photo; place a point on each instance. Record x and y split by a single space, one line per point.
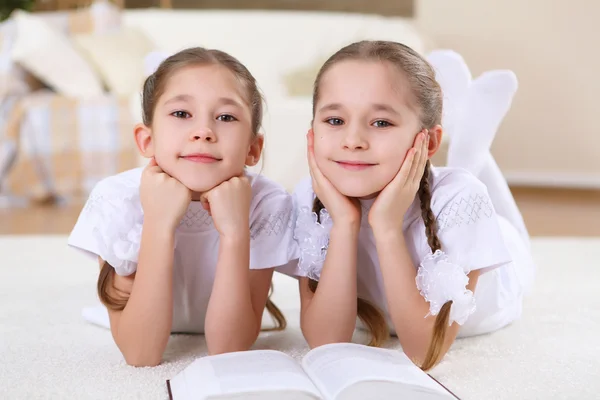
468 227
471 239
311 235
271 231
110 226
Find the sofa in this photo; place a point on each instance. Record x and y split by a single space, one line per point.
73 120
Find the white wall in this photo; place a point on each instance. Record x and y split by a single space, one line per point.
552 133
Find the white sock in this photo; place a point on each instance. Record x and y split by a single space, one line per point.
501 196
487 101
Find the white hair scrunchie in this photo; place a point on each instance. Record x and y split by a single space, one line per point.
313 240
439 280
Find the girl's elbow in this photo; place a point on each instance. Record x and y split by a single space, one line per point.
317 342
221 341
142 360
229 342
419 355
141 356
223 347
316 339
416 354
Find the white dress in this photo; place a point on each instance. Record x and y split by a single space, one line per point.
110 227
471 234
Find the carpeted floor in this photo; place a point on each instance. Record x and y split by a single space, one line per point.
48 352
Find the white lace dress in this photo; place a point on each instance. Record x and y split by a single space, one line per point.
472 235
110 227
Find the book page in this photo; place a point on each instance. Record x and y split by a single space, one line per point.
334 367
241 372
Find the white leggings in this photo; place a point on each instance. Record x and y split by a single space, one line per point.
499 292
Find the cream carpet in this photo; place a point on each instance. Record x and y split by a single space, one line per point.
47 351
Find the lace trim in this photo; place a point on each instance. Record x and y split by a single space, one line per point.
191 219
366 207
465 211
93 202
273 224
196 218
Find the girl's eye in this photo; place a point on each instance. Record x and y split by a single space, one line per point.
226 118
181 114
334 121
381 124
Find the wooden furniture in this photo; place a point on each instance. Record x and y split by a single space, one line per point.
383 7
55 5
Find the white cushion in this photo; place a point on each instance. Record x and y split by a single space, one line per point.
285 125
118 57
12 78
269 43
49 55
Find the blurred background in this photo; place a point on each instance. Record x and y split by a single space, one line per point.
71 71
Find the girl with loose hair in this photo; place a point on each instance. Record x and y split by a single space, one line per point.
188 244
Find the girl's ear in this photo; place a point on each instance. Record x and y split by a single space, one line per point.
435 139
255 150
143 140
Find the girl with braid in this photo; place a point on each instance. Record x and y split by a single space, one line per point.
408 248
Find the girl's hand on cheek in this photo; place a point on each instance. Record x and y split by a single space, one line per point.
341 208
387 213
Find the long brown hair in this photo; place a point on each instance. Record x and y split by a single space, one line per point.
427 95
154 87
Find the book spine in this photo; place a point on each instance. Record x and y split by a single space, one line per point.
448 390
169 390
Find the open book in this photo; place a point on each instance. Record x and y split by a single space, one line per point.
342 371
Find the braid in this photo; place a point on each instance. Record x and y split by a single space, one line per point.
372 317
428 99
441 322
368 313
317 207
424 194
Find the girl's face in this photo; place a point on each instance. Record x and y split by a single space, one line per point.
364 124
201 132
